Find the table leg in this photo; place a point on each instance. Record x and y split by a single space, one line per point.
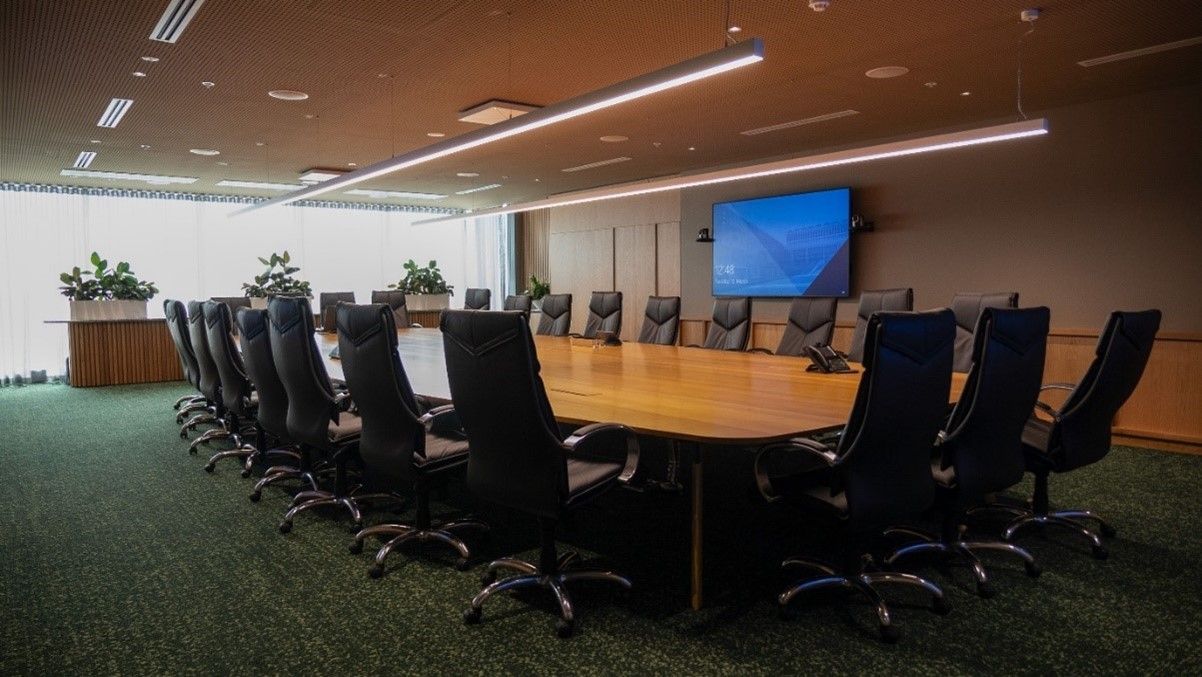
695 588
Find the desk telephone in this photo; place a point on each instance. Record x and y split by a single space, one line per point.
827 360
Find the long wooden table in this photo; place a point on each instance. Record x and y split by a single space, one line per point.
700 397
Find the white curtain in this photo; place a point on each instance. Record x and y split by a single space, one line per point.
194 249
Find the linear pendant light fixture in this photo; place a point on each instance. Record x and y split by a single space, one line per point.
927 144
697 68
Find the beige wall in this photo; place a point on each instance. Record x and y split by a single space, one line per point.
1103 213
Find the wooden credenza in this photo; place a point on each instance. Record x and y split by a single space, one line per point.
114 352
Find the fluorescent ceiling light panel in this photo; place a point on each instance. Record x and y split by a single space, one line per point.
316 174
116 110
478 189
928 144
382 194
492 112
599 163
1144 51
799 123
84 159
697 68
175 19
154 179
262 185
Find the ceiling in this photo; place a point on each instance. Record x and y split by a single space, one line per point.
381 74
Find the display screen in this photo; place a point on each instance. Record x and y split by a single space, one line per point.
788 245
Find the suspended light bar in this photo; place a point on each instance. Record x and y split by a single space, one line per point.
928 144
697 68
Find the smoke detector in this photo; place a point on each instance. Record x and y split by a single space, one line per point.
820 5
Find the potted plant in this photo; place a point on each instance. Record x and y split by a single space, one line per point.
277 280
424 287
536 291
105 293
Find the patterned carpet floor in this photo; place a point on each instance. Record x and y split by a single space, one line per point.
118 555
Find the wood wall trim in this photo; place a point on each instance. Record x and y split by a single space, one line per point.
120 352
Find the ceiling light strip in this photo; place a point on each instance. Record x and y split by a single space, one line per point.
175 19
112 114
478 189
928 144
599 163
403 194
697 68
1143 51
154 179
263 185
84 159
799 123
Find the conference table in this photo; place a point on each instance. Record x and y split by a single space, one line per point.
698 397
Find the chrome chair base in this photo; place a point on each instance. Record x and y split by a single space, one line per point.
206 416
279 473
863 582
186 400
1067 519
402 534
316 498
219 433
529 576
962 550
254 457
240 452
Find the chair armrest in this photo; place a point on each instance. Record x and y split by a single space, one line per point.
761 350
1057 386
441 419
810 447
596 438
414 325
1049 410
343 402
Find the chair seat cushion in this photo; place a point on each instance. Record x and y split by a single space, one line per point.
1036 440
818 498
588 476
442 452
348 427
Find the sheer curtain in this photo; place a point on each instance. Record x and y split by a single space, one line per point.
194 249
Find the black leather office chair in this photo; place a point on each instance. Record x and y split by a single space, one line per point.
320 421
980 451
604 314
871 302
730 326
477 299
556 319
327 301
271 417
237 394
520 302
399 446
518 458
968 307
661 320
1079 431
880 474
177 326
811 322
233 303
208 381
396 301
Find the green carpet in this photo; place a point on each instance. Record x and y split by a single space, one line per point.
119 555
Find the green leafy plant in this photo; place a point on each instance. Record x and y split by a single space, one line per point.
423 280
538 288
277 280
104 283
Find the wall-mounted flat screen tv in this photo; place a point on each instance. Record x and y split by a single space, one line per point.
787 245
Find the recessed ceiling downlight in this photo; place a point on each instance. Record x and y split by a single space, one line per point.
287 95
204 151
467 175
885 72
614 138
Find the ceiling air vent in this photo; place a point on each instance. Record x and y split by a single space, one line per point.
599 163
319 174
798 123
175 19
1143 51
116 110
84 160
494 111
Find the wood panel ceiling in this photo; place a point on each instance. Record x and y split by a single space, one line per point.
381 74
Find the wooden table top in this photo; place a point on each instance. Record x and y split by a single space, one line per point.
709 396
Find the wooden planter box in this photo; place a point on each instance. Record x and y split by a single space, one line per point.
420 302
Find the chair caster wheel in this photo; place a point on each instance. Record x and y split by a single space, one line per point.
356 527
488 578
192 451
285 527
889 634
472 616
1033 569
1108 531
564 629
209 468
183 435
984 591
1100 552
355 547
463 564
254 497
246 473
376 571
941 606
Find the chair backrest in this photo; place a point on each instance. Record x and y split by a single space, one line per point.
661 320
391 435
255 339
520 302
730 326
556 319
810 322
396 301
235 386
967 307
233 302
177 325
984 433
884 457
870 302
311 405
604 313
208 381
516 458
326 302
477 299
1082 436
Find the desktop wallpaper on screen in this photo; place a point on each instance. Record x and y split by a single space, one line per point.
788 245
